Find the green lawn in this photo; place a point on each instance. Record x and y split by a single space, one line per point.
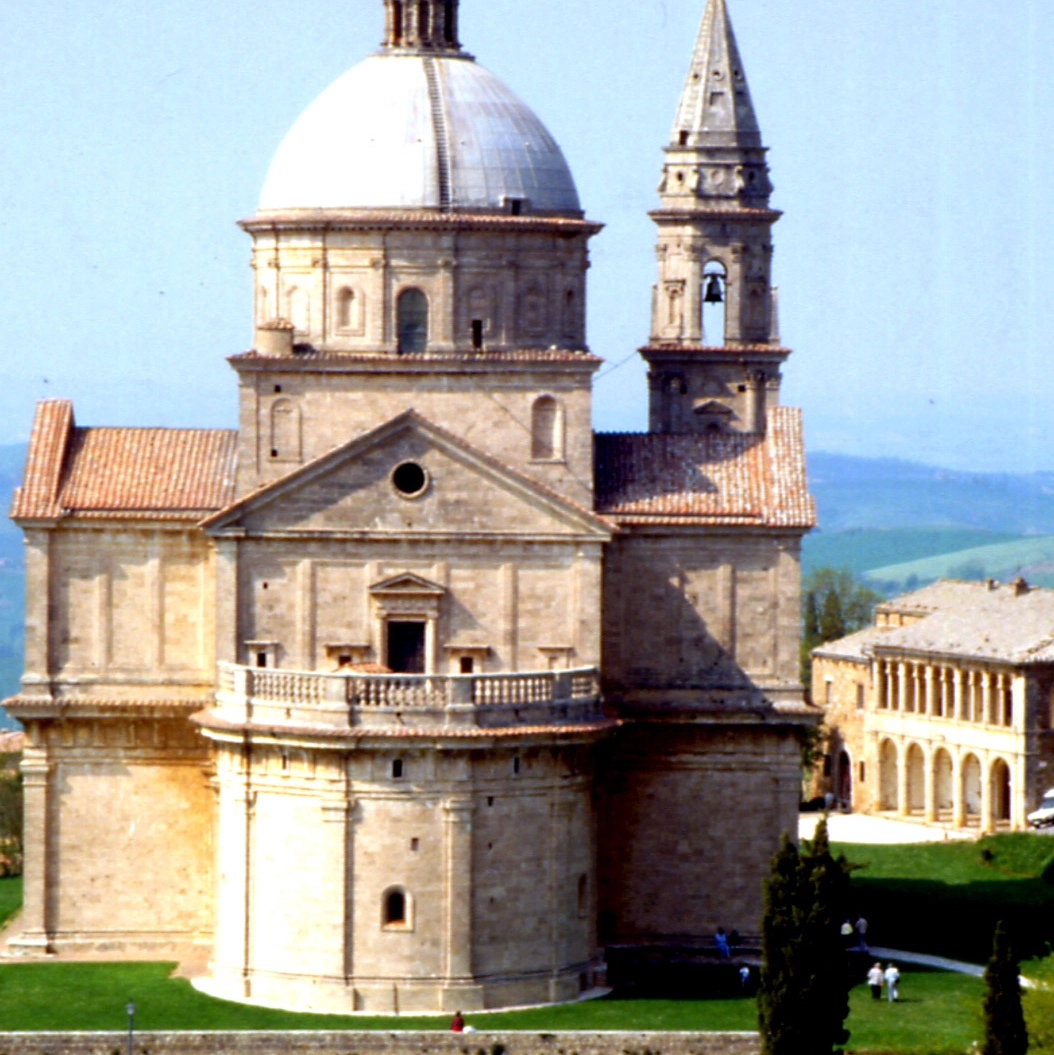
945 898
938 1013
10 897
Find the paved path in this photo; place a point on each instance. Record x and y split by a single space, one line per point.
862 828
940 962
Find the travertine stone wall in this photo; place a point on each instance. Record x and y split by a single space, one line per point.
493 850
685 880
526 286
119 853
305 1042
129 607
298 410
520 603
692 611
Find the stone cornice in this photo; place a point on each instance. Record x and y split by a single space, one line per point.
389 219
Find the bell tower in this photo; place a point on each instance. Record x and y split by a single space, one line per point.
714 351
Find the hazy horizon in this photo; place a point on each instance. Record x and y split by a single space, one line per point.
907 149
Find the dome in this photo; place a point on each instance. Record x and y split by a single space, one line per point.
374 140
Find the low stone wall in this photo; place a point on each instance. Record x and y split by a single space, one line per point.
253 1042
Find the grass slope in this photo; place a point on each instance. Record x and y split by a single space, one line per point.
938 1013
945 898
1031 557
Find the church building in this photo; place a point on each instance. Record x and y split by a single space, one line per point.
413 692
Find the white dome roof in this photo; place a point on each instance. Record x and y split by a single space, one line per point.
370 141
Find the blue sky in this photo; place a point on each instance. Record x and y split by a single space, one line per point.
911 151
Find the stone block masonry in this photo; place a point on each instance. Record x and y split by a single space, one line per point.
305 1042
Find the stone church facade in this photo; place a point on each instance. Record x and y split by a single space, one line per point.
413 693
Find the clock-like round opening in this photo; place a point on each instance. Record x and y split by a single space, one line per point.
409 479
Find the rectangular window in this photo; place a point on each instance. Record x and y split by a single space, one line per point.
863 773
467 664
859 696
477 334
406 647
827 692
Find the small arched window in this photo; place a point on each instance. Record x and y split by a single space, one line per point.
412 321
347 309
545 429
285 430
296 310
396 909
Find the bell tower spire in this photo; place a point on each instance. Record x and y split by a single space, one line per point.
714 351
421 26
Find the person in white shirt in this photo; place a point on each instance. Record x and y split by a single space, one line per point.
875 979
892 976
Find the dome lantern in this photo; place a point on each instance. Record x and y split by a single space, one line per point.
421 25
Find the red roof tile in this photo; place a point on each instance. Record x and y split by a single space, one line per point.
726 478
95 471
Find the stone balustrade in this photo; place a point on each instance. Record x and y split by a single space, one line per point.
350 699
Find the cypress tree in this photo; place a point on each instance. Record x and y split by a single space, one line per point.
1004 1021
804 996
778 1013
832 621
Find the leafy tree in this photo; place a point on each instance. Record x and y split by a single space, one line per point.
1004 1021
833 604
832 622
804 996
10 816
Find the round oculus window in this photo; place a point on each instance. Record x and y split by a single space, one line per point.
409 479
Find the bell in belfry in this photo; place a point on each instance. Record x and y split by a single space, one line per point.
713 291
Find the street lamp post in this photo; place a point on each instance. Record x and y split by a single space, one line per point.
130 1010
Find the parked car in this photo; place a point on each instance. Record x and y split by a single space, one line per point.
1043 816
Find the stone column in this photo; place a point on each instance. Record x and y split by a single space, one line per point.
559 904
987 823
930 775
988 697
902 779
457 985
36 924
226 562
38 646
959 688
881 696
902 686
933 701
958 799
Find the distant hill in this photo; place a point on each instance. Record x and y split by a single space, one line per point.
1032 558
888 493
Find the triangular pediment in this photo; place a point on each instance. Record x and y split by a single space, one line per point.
454 489
407 584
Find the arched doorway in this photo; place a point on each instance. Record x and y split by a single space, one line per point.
971 778
1000 792
943 784
887 775
845 779
916 763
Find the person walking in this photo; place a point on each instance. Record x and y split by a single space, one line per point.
875 979
892 977
721 941
861 934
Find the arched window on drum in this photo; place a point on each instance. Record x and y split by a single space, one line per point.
547 441
412 322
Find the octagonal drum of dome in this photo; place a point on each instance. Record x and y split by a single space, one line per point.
372 141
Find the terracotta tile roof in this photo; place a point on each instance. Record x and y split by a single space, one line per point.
122 471
727 478
48 439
